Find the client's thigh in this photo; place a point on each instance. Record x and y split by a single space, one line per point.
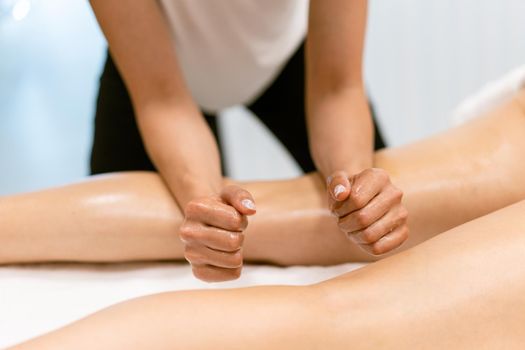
462 173
447 179
464 289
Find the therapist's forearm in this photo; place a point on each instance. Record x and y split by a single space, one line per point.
339 123
183 149
172 127
341 132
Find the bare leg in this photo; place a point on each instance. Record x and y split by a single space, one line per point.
464 289
447 179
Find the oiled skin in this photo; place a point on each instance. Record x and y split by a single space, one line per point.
447 180
463 289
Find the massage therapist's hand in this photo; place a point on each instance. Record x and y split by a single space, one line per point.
213 233
369 210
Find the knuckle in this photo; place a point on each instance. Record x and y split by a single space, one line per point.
197 271
244 223
357 200
186 232
405 233
235 221
362 218
202 274
192 257
234 241
236 260
229 275
377 249
231 243
193 207
236 273
403 214
224 278
397 194
368 236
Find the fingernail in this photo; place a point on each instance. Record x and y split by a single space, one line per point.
248 203
329 180
338 190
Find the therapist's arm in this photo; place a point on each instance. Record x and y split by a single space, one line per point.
340 125
339 121
175 134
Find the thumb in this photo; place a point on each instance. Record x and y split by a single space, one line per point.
338 185
239 198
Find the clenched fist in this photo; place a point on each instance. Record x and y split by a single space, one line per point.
213 233
369 209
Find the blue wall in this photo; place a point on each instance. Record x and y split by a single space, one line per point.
49 66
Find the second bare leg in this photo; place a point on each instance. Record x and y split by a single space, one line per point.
447 179
461 290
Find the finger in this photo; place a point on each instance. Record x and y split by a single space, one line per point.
213 212
338 185
372 212
215 274
211 237
388 242
201 255
371 234
365 186
239 198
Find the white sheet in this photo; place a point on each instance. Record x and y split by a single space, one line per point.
36 299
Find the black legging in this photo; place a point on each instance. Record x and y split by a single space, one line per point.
118 146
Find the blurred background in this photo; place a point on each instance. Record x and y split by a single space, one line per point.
422 58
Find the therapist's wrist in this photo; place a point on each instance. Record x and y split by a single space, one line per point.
358 166
187 188
350 168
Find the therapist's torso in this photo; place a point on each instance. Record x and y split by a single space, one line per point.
229 51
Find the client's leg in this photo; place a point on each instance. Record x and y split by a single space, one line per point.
464 172
448 179
464 289
106 218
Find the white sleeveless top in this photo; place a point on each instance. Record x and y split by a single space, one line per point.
231 50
